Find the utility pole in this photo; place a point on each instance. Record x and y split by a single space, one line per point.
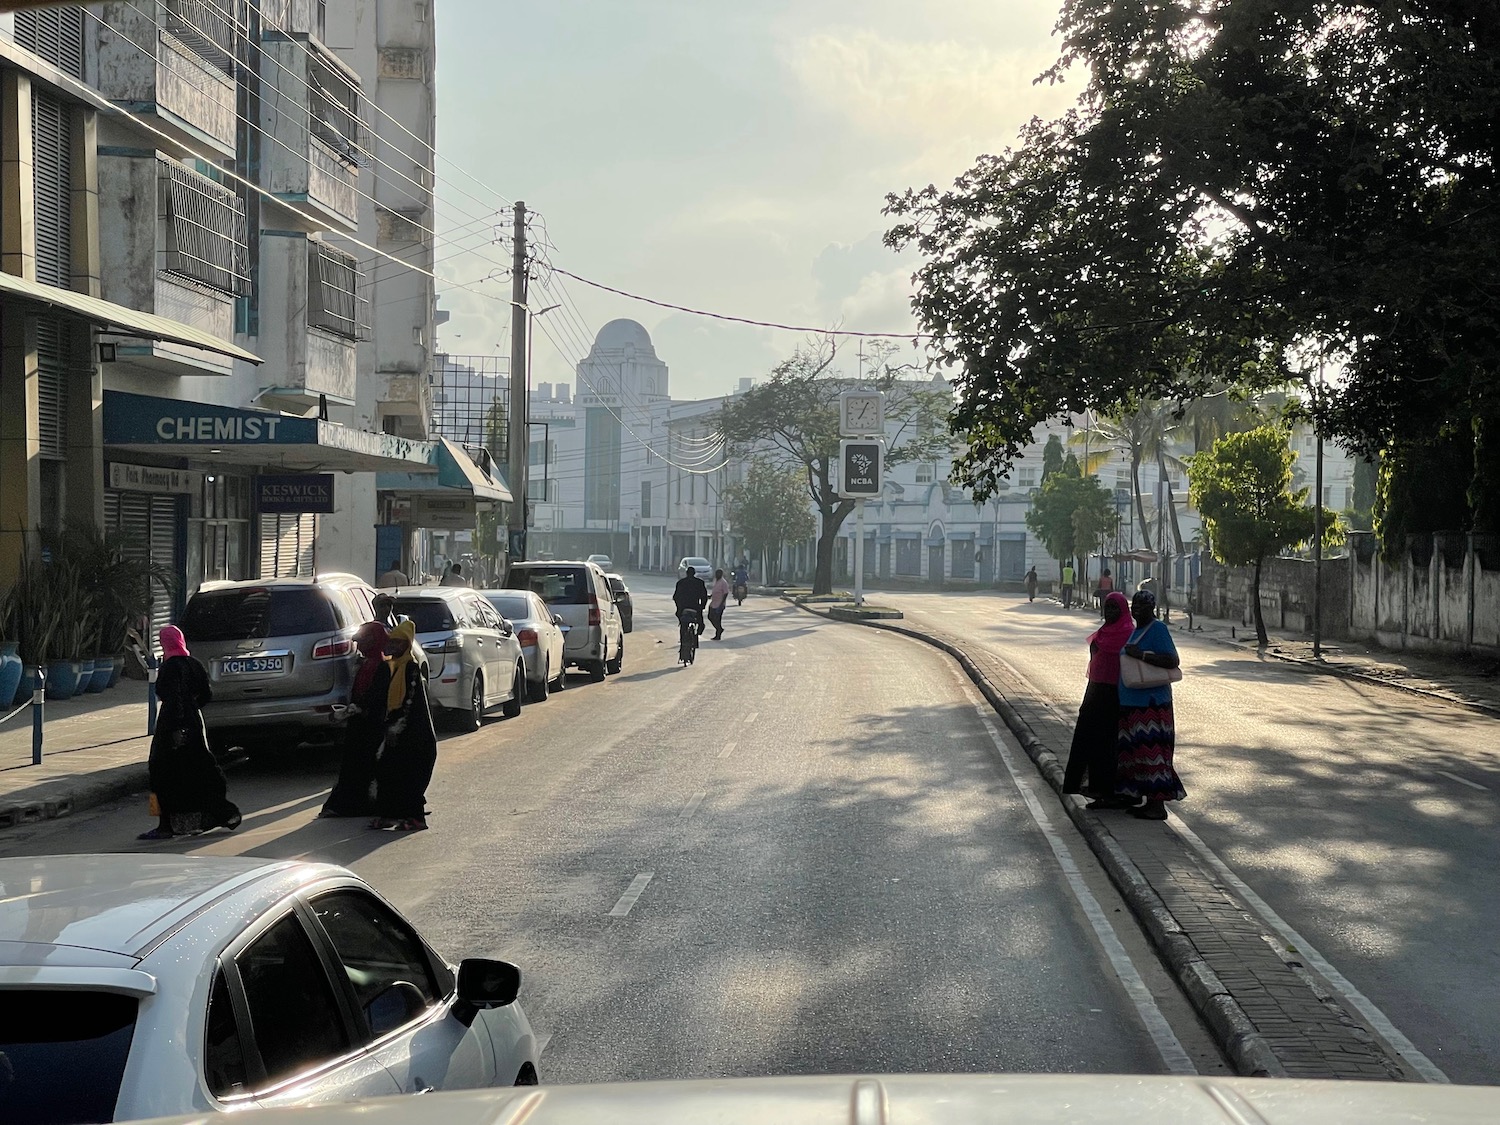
517 430
1318 516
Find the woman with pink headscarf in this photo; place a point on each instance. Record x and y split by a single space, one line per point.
188 787
1096 733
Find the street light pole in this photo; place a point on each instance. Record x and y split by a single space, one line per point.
1318 516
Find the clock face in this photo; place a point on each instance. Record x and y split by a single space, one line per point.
862 414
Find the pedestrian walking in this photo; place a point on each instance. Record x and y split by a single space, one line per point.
364 729
1096 734
1147 735
394 576
188 788
1067 586
718 598
1031 585
1105 587
410 753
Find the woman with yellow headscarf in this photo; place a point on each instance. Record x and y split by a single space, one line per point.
410 753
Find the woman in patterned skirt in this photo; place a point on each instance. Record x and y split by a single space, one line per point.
1143 770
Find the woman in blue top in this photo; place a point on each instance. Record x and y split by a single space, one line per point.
1147 736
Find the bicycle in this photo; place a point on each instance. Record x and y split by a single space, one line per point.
687 635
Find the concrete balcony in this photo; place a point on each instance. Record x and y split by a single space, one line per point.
405 406
309 340
175 70
176 248
310 107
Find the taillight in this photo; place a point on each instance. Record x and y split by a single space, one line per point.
330 647
526 636
594 618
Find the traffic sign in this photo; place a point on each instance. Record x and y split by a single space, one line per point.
861 468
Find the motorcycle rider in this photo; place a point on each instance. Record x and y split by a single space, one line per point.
741 580
690 595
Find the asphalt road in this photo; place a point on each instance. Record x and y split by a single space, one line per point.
1363 816
803 854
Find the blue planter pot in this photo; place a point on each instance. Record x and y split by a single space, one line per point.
26 686
116 670
85 675
10 672
62 679
104 668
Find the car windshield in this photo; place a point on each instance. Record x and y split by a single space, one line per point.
560 585
62 1055
512 607
429 615
248 613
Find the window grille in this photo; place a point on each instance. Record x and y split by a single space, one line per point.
333 290
56 34
205 230
206 28
333 108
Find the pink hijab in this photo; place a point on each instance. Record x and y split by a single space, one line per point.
173 643
1104 665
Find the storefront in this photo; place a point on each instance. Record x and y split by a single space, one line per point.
450 499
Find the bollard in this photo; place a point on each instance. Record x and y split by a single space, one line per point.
38 707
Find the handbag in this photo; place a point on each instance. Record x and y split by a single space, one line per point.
1139 676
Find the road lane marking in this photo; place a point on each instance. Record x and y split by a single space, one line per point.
779 678
1168 1046
750 718
769 695
728 749
637 887
692 806
1464 781
1377 1019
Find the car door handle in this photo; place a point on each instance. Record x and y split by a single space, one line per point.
422 1090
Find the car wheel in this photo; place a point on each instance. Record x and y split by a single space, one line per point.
473 718
512 706
596 670
614 666
562 677
536 691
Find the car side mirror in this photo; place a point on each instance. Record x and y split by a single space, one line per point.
557 619
483 983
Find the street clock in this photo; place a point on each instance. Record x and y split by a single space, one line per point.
861 413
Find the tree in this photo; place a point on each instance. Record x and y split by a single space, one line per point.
794 415
1146 432
1052 456
769 507
1242 490
1239 184
1071 514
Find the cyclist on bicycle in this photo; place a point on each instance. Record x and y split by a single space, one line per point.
689 596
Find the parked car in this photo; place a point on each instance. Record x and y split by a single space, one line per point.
150 985
579 594
540 633
702 568
603 562
475 662
621 594
280 655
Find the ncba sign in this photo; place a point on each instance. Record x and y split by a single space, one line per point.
861 469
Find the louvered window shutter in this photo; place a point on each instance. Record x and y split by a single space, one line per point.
53 174
56 34
53 344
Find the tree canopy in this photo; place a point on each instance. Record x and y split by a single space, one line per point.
1241 187
768 507
1072 513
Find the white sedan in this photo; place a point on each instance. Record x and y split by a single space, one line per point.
138 986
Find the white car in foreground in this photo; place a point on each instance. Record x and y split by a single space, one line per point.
136 986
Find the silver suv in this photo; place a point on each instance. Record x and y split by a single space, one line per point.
280 654
475 659
578 593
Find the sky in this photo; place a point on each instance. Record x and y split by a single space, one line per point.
732 157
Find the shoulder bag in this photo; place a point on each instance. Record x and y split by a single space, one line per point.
1140 676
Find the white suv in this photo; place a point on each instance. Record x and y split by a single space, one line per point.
579 593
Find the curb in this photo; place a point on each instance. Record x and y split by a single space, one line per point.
63 797
1242 1044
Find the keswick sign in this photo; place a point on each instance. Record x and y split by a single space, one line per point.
294 492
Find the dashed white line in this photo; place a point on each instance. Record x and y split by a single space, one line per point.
728 749
637 887
692 806
779 678
1168 1046
769 695
750 718
1464 781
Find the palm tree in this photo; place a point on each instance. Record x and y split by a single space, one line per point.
1211 416
1147 433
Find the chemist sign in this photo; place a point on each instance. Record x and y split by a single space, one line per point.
861 468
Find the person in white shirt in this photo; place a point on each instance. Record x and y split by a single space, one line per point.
393 577
718 597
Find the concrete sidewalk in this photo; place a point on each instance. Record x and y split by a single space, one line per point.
1270 1015
94 750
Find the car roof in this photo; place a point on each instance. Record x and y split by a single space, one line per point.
435 593
124 903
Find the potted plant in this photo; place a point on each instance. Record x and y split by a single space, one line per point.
10 657
69 635
34 618
118 587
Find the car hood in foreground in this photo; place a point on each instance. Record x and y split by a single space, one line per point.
923 1099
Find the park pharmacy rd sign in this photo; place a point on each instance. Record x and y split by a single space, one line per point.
861 468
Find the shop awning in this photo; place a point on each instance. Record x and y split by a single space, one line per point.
231 436
456 473
118 318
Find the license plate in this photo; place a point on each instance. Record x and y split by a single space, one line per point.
248 665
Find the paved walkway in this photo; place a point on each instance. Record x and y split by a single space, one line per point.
1271 1015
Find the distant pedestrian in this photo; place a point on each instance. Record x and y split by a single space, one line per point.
364 730
410 753
1096 734
1147 737
1067 586
718 598
394 576
1031 581
1102 591
187 786
454 576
